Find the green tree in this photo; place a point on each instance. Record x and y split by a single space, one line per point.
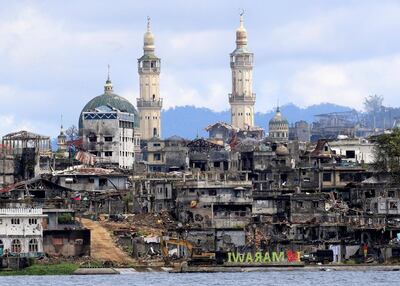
387 154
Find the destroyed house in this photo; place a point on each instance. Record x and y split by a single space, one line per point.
264 207
38 192
89 179
164 197
166 155
300 131
31 152
331 125
338 176
221 131
253 132
219 160
322 154
154 155
270 165
154 194
220 205
220 240
376 195
309 208
246 149
63 235
263 157
6 167
199 153
387 206
176 153
259 156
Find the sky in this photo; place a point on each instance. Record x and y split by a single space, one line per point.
54 54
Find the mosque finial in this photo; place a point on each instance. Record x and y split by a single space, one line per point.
277 105
241 34
148 45
148 23
61 127
108 86
241 17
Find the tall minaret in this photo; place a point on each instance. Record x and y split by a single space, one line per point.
149 104
62 139
242 98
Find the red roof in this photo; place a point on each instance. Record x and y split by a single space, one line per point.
77 143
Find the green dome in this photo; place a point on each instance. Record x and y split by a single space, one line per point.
278 118
108 98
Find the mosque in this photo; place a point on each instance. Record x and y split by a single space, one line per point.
112 129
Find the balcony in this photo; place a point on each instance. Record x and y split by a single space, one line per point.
149 103
245 99
227 199
144 70
242 62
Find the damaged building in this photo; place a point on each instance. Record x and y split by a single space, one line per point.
31 152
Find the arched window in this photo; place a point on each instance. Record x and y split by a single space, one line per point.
16 246
154 131
154 97
15 221
33 245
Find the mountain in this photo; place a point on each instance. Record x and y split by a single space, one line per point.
190 121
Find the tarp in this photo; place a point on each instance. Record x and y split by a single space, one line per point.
85 158
351 250
152 239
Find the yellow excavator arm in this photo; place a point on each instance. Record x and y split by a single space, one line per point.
195 254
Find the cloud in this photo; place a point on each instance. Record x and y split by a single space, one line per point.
9 123
345 83
54 57
33 38
204 48
205 88
268 95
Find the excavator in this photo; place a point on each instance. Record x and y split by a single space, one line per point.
194 255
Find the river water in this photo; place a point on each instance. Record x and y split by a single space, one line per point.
296 278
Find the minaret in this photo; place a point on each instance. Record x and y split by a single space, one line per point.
149 104
242 98
108 87
62 139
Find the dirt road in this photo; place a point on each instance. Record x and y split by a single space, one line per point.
103 247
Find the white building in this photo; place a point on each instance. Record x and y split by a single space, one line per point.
149 103
109 129
357 150
109 135
242 98
21 231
